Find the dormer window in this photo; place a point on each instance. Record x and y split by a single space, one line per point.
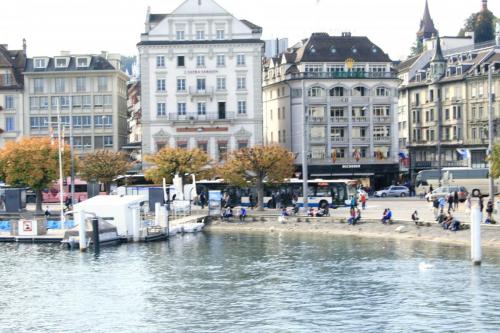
40 63
459 70
312 49
82 62
61 62
354 49
333 49
374 50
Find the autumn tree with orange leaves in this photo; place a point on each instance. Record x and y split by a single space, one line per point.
259 164
32 162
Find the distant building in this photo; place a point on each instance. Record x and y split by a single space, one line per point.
91 91
340 93
134 111
12 64
275 46
200 80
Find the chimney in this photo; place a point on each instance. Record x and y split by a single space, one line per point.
24 46
104 54
115 60
346 34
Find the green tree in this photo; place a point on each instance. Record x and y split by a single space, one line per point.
495 158
482 24
104 166
256 165
32 162
171 161
416 49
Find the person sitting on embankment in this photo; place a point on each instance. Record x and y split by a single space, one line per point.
387 216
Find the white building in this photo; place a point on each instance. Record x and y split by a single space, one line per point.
90 88
12 64
200 80
340 94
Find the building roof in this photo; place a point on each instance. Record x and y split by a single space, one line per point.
14 60
255 28
96 63
155 18
200 42
321 47
407 63
438 54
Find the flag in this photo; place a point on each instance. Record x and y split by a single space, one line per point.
464 153
334 156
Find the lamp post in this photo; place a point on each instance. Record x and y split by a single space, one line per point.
490 131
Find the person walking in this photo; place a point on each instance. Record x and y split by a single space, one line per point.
455 200
363 200
450 203
489 212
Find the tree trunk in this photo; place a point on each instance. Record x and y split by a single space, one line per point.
39 197
260 193
107 187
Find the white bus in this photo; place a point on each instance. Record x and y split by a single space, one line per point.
334 193
475 180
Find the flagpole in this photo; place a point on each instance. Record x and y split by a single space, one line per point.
490 133
61 187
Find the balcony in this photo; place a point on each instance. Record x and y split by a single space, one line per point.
339 140
361 140
316 100
317 120
211 116
339 101
317 140
342 75
339 121
358 120
382 139
382 119
207 92
360 100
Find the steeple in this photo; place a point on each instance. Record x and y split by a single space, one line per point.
427 29
438 62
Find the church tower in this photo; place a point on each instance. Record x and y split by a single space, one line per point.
427 29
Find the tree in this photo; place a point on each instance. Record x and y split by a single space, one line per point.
32 162
482 24
104 166
171 161
417 48
495 158
256 165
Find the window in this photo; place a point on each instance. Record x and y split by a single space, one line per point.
180 61
296 93
316 92
201 84
161 85
220 34
76 101
9 124
202 108
60 85
222 150
203 145
82 62
241 83
83 121
221 60
98 101
38 85
102 83
381 91
181 109
160 61
179 35
40 63
447 114
242 107
200 34
161 109
183 144
61 62
221 83
108 100
44 102
10 102
87 100
7 79
240 60
200 61
359 91
81 84
181 84
103 142
103 121
39 122
337 91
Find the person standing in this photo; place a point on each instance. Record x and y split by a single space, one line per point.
203 200
435 205
489 211
363 200
450 203
455 200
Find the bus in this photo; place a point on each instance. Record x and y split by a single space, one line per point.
334 193
475 180
52 194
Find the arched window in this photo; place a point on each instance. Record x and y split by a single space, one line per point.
337 91
381 91
316 92
359 91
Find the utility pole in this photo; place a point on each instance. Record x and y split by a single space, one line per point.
440 132
305 149
72 154
60 146
490 130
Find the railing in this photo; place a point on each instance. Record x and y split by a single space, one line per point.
382 119
361 140
201 117
339 120
359 119
339 139
317 139
194 91
317 120
382 139
343 75
336 100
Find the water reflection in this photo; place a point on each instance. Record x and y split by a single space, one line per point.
243 282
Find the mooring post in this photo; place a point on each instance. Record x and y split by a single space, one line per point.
95 234
475 233
82 230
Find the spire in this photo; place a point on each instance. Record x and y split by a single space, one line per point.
438 54
438 63
427 29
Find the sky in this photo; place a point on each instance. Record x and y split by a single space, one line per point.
91 26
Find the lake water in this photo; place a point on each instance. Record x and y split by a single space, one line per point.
250 283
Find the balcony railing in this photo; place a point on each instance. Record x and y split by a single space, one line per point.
382 119
194 91
317 139
339 139
359 119
361 140
317 120
339 120
382 139
211 116
343 75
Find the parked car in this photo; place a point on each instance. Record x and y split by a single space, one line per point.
393 191
445 191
